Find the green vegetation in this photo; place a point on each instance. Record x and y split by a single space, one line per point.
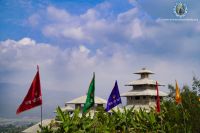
173 118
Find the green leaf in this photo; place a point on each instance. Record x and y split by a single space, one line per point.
60 114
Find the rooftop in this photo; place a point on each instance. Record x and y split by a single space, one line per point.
82 99
144 81
147 92
144 71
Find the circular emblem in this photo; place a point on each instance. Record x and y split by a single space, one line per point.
180 9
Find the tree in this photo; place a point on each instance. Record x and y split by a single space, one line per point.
196 85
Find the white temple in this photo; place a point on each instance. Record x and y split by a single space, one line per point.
143 91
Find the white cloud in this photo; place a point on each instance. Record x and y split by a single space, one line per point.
71 68
150 39
135 29
26 41
84 49
57 14
123 45
90 15
75 33
128 16
92 26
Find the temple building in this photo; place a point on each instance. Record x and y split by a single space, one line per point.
143 91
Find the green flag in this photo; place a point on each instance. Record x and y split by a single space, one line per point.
90 96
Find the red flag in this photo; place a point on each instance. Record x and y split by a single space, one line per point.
158 99
33 97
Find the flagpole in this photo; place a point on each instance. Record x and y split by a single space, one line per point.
94 96
41 104
41 117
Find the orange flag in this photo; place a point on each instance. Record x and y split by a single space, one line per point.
33 97
178 96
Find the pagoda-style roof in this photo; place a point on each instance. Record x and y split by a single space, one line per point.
146 92
144 81
82 99
144 71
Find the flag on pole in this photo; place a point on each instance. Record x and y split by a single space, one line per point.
114 98
90 95
178 96
158 99
34 96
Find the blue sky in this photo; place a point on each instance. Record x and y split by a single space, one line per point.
70 39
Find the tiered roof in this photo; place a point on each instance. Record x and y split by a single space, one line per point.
144 70
144 80
147 92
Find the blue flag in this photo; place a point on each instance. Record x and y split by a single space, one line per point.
114 98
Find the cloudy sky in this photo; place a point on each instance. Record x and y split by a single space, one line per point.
71 39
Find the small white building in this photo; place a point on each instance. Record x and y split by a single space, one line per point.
79 102
143 91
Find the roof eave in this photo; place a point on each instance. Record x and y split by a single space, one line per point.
143 95
143 73
141 84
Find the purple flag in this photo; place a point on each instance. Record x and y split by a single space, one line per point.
114 98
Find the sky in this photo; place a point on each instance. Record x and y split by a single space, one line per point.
71 39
